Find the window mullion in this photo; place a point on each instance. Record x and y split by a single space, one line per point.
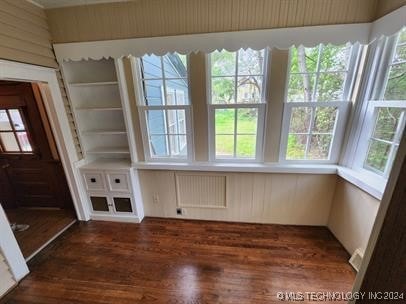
14 130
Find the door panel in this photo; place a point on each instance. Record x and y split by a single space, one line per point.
32 172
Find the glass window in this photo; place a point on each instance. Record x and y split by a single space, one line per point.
13 133
387 110
165 109
318 93
237 103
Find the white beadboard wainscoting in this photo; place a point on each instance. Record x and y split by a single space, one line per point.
280 198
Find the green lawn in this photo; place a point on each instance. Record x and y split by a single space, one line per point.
246 132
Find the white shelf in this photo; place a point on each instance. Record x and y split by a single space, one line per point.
87 84
109 150
104 132
99 109
108 164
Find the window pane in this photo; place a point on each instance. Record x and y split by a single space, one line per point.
250 62
247 120
224 121
296 146
378 153
153 92
330 86
156 121
400 54
176 121
300 120
24 142
9 142
325 118
386 123
301 87
335 58
151 66
223 63
158 145
223 90
178 145
17 120
224 146
246 146
304 60
249 89
4 121
177 92
175 66
319 147
395 87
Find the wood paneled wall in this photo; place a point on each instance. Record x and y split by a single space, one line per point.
352 215
298 199
148 18
25 37
24 33
386 6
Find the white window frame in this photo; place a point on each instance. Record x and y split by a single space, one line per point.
143 109
373 99
343 110
261 108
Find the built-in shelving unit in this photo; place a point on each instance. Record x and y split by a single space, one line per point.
95 96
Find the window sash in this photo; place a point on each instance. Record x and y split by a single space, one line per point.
367 135
144 108
337 133
146 134
261 107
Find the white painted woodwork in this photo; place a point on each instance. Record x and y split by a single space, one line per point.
201 190
298 199
98 110
352 215
6 277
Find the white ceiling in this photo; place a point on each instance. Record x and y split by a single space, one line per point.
66 3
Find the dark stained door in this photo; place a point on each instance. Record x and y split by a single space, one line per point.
31 174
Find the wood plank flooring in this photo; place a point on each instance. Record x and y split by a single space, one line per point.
44 224
177 261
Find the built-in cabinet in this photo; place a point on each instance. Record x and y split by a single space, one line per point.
101 111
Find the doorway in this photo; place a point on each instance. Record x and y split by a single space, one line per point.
33 186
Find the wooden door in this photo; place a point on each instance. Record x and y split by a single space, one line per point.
31 172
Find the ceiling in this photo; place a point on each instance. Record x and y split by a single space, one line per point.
66 3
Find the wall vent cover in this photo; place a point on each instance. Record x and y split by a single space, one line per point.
201 190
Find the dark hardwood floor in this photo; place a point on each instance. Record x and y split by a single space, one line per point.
176 261
44 224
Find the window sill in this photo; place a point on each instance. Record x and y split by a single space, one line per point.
239 167
375 186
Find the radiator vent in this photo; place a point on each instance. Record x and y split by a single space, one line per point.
201 190
356 259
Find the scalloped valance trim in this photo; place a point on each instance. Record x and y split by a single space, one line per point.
282 38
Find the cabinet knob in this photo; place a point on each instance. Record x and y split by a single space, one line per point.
117 180
93 180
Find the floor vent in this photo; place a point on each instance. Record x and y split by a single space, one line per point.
356 259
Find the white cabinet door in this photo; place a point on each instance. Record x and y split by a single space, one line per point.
118 181
123 204
94 180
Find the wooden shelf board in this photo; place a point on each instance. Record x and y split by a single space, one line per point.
99 108
87 84
109 150
104 132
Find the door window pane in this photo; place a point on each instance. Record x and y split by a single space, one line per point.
17 120
9 142
4 121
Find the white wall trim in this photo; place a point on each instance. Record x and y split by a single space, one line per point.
10 249
55 108
238 167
